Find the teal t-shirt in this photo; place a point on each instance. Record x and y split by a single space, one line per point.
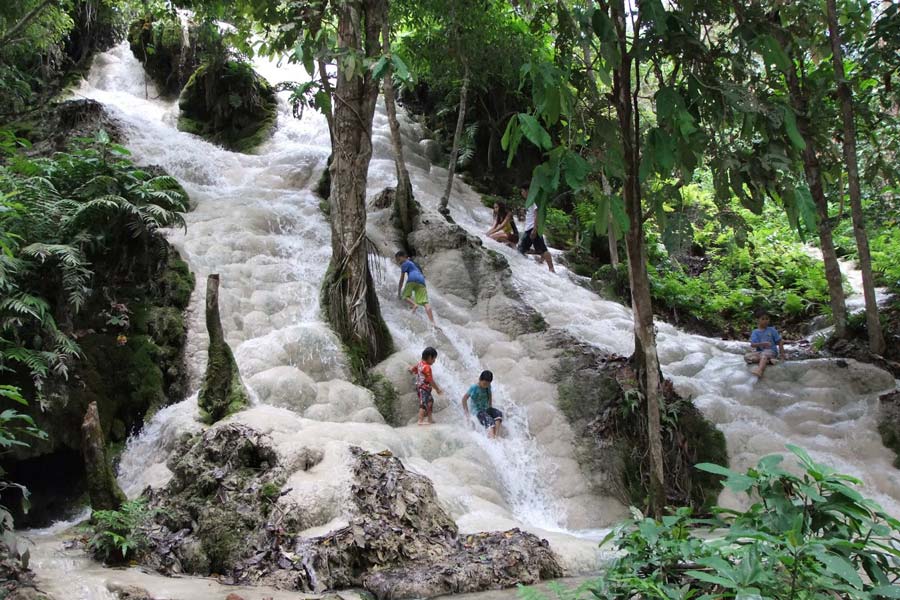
480 397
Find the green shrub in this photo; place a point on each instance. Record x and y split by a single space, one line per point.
116 534
809 536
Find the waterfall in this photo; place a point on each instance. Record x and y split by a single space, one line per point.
258 224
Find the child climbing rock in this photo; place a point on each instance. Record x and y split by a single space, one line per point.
763 340
424 384
414 292
482 402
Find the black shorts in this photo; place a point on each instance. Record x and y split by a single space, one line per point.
526 242
489 415
425 398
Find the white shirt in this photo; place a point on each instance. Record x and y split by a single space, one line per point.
531 217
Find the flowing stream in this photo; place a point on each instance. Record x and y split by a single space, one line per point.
258 224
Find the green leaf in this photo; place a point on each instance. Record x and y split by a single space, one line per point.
617 207
806 208
603 26
668 101
536 134
772 52
401 71
709 578
575 169
511 139
380 67
841 567
886 591
790 125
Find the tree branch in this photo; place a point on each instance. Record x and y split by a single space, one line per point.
24 21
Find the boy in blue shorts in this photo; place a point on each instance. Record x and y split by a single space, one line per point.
414 292
763 340
482 403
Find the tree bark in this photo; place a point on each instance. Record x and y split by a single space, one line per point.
457 135
645 356
103 489
610 227
222 391
813 172
873 324
404 208
349 300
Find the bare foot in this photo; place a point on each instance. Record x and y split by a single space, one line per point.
756 372
420 423
414 309
430 422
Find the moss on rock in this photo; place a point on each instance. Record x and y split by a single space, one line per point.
599 396
158 42
889 423
228 103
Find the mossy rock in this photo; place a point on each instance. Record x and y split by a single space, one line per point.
598 394
889 423
228 103
158 42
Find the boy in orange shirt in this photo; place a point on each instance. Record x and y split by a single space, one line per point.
424 384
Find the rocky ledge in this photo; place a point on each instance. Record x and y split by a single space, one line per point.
220 514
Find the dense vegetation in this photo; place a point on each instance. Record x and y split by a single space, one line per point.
803 536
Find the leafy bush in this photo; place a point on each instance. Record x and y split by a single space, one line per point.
809 536
117 534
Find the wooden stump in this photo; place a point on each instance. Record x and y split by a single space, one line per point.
103 488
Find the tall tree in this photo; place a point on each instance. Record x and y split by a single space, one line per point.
348 294
457 135
873 323
404 203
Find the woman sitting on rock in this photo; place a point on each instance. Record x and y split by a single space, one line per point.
504 228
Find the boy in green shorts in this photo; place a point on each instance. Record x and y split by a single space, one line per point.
414 292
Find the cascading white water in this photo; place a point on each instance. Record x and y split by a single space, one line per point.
257 223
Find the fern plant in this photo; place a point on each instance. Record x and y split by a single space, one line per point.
117 534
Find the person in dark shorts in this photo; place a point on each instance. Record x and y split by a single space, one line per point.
531 237
482 403
424 384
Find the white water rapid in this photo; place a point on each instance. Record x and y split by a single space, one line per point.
257 223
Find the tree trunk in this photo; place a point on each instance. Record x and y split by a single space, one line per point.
349 300
404 208
103 489
457 135
813 172
645 357
873 324
222 392
610 227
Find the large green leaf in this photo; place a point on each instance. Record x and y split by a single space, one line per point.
535 133
575 168
790 125
806 208
772 52
603 26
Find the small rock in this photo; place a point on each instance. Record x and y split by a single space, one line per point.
233 596
128 592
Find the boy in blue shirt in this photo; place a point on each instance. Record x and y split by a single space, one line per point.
763 340
482 403
414 292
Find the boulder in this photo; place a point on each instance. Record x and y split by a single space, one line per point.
459 265
598 394
220 513
229 104
889 422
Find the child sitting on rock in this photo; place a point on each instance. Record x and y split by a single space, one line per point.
763 340
414 292
424 384
482 403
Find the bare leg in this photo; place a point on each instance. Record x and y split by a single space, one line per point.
429 313
763 363
430 408
497 424
549 260
421 415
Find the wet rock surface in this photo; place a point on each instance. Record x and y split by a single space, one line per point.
460 265
599 394
17 581
889 422
219 515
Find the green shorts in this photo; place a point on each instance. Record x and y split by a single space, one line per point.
417 292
